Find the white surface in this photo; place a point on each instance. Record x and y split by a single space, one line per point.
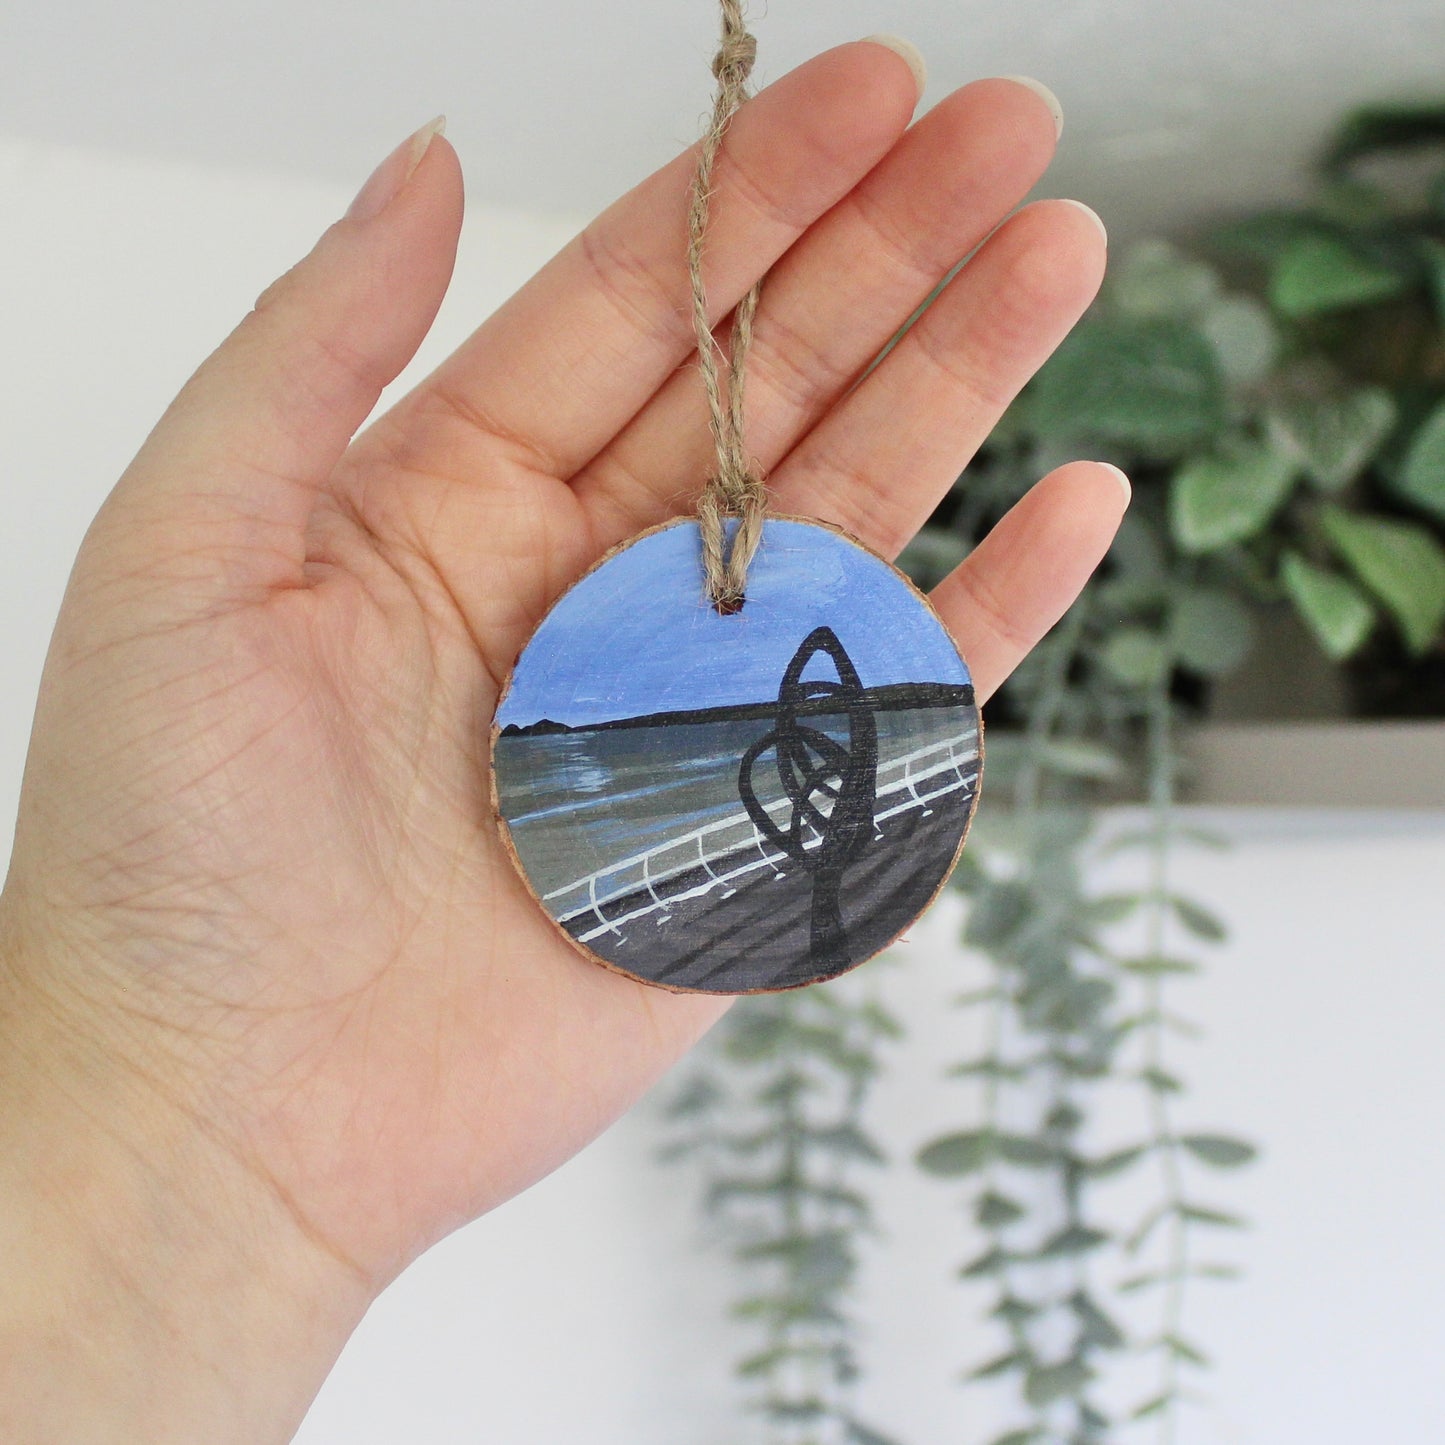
588 1310
560 106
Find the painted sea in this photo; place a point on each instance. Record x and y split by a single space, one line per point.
618 822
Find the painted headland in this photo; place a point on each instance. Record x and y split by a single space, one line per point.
730 804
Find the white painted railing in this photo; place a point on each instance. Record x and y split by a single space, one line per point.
733 847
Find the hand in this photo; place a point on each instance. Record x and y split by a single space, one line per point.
272 985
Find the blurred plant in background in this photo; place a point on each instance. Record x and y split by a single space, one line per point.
1276 390
774 1117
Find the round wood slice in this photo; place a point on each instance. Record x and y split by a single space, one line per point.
733 804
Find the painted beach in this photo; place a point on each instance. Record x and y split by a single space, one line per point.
792 817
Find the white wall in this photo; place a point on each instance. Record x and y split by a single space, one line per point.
589 1310
1171 109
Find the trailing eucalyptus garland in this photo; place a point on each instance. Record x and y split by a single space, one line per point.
774 1119
1277 393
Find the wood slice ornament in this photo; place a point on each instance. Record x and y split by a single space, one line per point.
731 803
742 753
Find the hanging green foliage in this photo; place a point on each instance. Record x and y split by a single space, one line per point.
1276 390
773 1120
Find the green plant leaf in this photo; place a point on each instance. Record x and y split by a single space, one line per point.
1217 1271
995 913
787 1087
1017 1437
1146 1226
1155 1406
1112 907
1216 500
1097 1329
1150 383
1210 630
994 1210
857 1433
762 1363
1401 563
848 1140
1078 759
1219 1151
1161 1081
1014 1312
1433 253
1153 278
1421 477
883 1023
1136 1282
1170 1021
794 1410
988 1069
1136 657
975 996
1338 614
1263 235
1072 1240
1219 1218
700 1094
958 1154
784 1309
1014 1360
1321 272
822 1260
1352 204
1199 920
1031 1153
1374 129
1245 339
1158 964
991 1261
754 1033
1108 1165
1333 438
1046 1383
1182 1349
1063 1118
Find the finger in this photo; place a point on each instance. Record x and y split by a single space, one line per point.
229 476
879 462
573 355
1027 572
835 299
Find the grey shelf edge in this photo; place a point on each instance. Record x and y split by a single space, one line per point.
1316 764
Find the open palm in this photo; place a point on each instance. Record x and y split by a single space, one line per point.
255 860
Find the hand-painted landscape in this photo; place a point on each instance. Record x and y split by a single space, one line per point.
792 820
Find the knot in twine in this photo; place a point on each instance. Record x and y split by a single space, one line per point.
735 489
734 62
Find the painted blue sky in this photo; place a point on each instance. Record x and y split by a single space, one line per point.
638 636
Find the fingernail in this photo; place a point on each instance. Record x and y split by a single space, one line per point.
394 172
1093 215
911 54
1045 95
1123 480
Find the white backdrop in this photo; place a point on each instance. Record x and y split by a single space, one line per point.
590 1309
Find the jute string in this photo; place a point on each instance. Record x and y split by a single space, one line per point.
734 489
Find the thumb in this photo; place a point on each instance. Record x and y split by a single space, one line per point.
226 482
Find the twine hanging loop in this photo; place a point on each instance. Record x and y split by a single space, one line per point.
735 489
